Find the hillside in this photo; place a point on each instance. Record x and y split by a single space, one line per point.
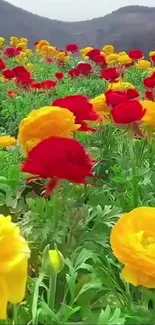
129 27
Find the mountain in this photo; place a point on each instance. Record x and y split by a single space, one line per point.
127 28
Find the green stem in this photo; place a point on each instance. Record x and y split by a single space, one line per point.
135 196
15 315
52 290
35 299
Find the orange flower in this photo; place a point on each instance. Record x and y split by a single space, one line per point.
133 243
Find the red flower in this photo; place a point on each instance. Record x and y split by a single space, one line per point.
149 94
153 58
49 60
80 107
132 93
2 65
74 73
19 70
114 98
73 48
47 85
150 81
136 55
59 159
128 112
12 52
12 93
110 74
59 75
85 69
100 60
93 53
9 74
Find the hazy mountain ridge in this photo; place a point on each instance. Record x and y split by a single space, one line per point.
127 28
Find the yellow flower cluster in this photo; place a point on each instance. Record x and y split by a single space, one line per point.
133 243
44 123
7 141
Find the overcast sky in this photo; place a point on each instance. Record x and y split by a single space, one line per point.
73 10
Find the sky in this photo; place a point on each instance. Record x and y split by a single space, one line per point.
75 10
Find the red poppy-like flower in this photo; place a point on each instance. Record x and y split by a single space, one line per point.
114 98
149 94
9 74
136 55
74 73
85 69
59 159
46 85
12 52
59 75
82 109
132 93
110 74
100 60
2 65
36 43
128 112
49 60
12 93
153 58
19 70
93 53
73 48
150 81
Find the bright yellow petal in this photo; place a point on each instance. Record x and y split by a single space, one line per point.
3 299
16 282
130 276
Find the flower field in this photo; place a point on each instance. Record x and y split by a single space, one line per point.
77 185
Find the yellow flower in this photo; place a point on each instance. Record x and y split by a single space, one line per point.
62 56
112 58
122 53
3 79
22 46
23 40
101 108
143 64
44 123
57 260
52 51
7 141
86 50
14 255
14 41
41 44
133 243
121 86
28 52
124 59
2 41
149 117
108 49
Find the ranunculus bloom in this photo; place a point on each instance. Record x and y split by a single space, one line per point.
100 60
132 93
149 117
86 50
153 58
150 81
149 94
110 74
143 65
59 159
44 123
81 108
74 73
124 59
136 55
85 69
128 112
12 52
7 141
14 255
93 53
114 98
9 74
108 49
73 48
59 75
121 86
101 108
46 85
2 65
133 243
